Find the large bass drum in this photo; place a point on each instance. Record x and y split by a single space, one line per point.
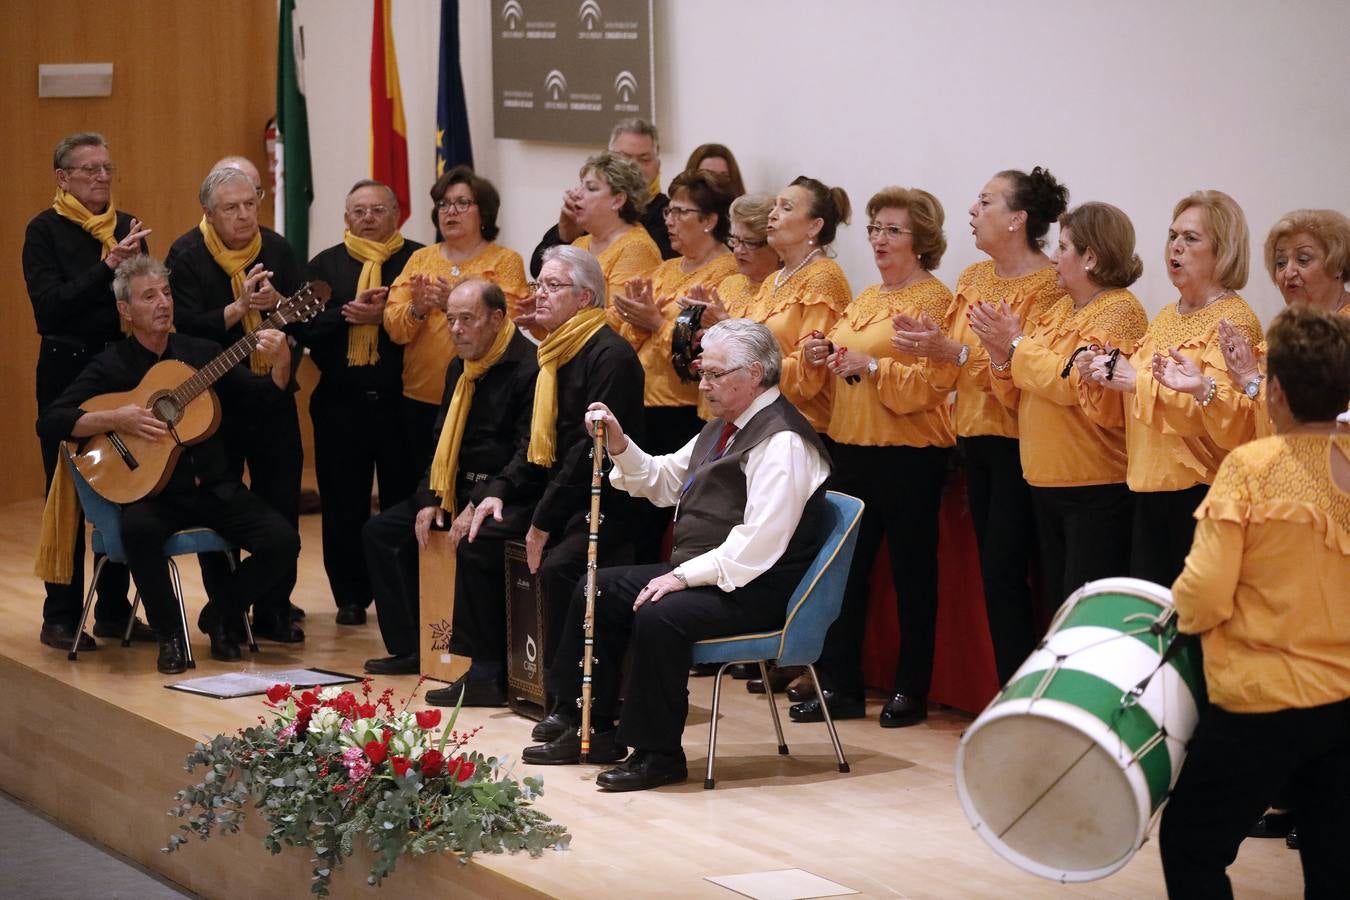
1065 771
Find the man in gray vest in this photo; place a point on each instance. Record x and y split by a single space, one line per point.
749 501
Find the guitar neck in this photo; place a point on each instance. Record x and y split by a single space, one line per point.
212 372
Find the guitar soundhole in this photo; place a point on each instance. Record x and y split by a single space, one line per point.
166 409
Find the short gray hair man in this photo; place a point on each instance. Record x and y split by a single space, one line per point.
142 265
216 179
72 143
582 268
748 342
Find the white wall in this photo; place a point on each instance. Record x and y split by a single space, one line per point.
1135 104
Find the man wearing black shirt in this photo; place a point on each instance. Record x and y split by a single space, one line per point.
491 462
216 304
69 272
606 369
201 490
638 140
355 407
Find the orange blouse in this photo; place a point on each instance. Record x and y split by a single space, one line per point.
1062 443
812 299
899 406
428 350
632 254
978 411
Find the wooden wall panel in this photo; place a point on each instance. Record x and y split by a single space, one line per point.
192 81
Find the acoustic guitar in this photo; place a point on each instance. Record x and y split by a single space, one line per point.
125 468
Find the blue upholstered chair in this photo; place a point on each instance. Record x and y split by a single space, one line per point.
811 610
106 517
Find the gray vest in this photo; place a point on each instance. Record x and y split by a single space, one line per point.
715 501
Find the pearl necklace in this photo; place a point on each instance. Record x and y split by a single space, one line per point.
779 279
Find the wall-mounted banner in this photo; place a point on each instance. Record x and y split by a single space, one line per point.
567 70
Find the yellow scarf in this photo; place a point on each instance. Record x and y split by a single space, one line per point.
363 341
60 517
445 464
234 263
557 350
102 226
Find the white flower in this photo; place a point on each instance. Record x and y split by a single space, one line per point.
324 721
329 693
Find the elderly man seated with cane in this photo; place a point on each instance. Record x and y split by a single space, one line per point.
749 501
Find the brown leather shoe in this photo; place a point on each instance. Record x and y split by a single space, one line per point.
779 679
801 689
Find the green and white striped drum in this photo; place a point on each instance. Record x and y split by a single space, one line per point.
1066 769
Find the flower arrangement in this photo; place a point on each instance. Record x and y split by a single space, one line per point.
330 769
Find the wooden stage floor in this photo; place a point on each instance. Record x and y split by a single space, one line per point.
99 744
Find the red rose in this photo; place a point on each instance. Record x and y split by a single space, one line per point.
366 710
400 765
302 720
309 698
463 769
428 719
433 763
278 692
376 752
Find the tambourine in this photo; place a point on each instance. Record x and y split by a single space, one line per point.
684 347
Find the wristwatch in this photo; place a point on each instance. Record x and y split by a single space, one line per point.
962 355
872 367
1012 348
1253 387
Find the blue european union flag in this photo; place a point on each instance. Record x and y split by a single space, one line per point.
452 117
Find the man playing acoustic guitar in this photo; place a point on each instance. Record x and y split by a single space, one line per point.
200 491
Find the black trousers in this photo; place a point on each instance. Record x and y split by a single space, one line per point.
419 429
358 437
1236 763
1084 533
1005 527
268 443
668 429
58 364
480 579
1164 526
656 698
240 516
902 490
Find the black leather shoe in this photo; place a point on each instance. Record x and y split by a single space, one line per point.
476 693
408 664
282 631
224 648
840 708
172 659
645 770
551 727
351 615
779 679
565 749
704 670
207 621
1291 839
139 631
1273 825
61 636
903 710
294 613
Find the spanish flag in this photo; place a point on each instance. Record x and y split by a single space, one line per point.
388 128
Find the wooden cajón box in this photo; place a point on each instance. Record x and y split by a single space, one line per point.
526 625
436 602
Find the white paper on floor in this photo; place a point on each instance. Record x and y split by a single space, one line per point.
782 884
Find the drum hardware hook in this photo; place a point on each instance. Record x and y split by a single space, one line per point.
1046 677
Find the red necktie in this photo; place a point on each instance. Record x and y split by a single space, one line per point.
727 431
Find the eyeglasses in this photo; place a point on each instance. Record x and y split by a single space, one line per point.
360 212
92 170
736 243
548 287
714 377
460 204
890 232
675 212
261 192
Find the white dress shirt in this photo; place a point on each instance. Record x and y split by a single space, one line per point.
781 474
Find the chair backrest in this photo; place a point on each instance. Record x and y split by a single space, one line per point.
815 604
103 514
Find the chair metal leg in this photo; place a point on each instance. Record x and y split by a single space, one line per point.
773 708
248 632
712 728
74 652
131 620
829 721
182 612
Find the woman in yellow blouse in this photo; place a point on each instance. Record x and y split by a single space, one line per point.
1308 257
1073 457
1010 219
892 434
696 219
465 215
810 292
1265 587
609 204
1172 458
